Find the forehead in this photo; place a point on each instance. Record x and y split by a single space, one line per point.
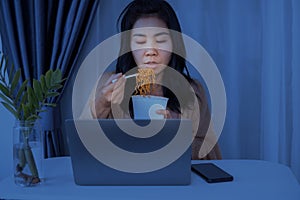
149 26
149 22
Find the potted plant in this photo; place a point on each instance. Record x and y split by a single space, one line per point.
26 101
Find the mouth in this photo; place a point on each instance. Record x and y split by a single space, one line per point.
151 64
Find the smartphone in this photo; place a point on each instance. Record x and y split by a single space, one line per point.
211 173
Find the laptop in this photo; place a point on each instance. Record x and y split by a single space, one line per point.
103 152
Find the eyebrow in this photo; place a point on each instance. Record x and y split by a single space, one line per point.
138 35
143 35
162 33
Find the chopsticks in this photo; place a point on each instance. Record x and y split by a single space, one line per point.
129 76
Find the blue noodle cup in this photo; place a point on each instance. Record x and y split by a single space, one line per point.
145 107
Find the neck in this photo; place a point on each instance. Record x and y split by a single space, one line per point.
157 90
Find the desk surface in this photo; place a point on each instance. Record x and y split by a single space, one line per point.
253 179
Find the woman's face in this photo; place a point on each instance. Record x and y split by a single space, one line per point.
151 43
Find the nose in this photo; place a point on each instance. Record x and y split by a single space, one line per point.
151 52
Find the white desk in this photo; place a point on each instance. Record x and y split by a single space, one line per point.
252 180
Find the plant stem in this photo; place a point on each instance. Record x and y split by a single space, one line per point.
28 154
22 159
31 162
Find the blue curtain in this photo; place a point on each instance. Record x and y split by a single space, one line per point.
256 46
40 35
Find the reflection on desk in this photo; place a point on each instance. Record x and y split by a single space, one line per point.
253 179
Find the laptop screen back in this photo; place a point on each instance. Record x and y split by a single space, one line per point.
89 169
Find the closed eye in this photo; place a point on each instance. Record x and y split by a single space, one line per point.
140 42
161 41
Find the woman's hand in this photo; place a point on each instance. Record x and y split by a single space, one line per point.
165 113
109 93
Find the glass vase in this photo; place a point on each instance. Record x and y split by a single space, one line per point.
27 153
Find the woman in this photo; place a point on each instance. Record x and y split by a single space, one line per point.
153 48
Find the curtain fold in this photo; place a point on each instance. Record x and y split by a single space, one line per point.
295 136
41 35
280 131
272 80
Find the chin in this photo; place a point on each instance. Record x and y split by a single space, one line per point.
159 69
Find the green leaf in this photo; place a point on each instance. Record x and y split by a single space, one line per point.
51 94
39 110
32 99
62 80
2 72
28 101
32 117
11 72
6 100
24 99
19 111
10 109
4 90
5 65
48 78
37 90
21 90
15 80
26 111
31 108
49 104
56 87
57 75
1 62
43 84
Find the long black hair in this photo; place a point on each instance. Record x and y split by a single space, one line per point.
162 10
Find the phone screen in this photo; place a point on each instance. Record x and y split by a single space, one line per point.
211 173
